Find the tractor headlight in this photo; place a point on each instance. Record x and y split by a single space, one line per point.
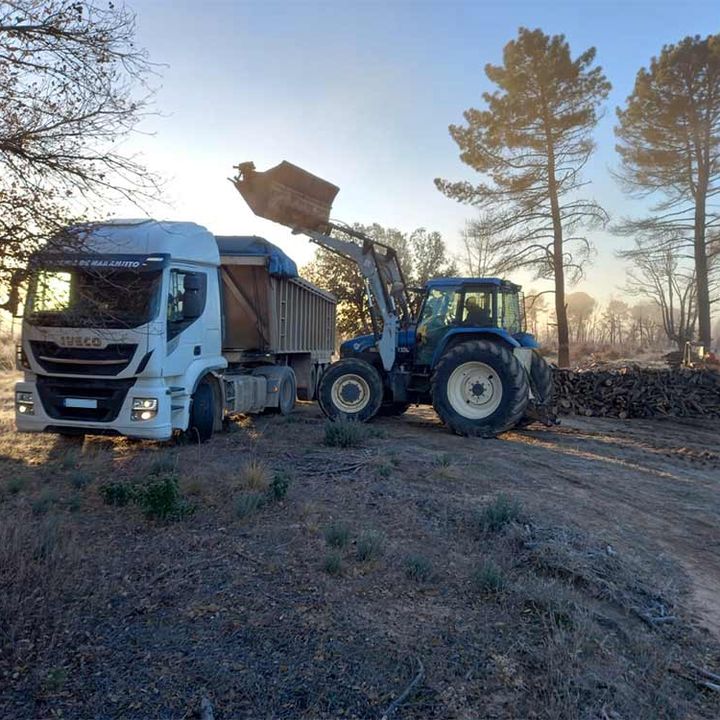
144 408
24 403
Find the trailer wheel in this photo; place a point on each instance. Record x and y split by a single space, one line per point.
350 389
541 382
479 388
202 412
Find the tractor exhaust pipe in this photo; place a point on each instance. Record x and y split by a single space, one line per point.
288 195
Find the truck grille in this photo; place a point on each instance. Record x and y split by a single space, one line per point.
106 395
109 360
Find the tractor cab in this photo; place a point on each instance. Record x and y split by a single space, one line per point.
453 306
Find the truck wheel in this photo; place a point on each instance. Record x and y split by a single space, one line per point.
286 394
541 382
350 389
202 413
479 388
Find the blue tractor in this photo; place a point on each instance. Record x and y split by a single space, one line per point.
464 350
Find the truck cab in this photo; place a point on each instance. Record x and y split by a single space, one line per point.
144 328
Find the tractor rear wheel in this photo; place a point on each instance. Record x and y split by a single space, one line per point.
541 383
479 388
350 389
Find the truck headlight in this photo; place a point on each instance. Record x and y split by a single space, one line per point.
24 402
144 408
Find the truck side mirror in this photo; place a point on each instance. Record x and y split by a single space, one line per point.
193 302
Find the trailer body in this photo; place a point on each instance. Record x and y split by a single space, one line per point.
144 328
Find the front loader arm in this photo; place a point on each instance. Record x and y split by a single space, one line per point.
291 196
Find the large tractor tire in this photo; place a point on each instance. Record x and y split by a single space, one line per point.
480 389
541 383
350 389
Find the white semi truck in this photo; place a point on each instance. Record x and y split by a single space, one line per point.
144 328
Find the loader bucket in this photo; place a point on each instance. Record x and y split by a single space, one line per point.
288 195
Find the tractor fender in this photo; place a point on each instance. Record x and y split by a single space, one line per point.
453 337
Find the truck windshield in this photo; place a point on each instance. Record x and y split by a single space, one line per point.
80 297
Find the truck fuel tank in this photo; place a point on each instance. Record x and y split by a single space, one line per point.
287 194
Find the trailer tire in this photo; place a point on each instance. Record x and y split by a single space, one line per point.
350 389
479 389
202 412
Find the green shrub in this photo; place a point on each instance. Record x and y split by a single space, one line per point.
499 513
370 545
337 535
43 503
345 434
332 564
118 493
488 578
16 484
279 486
80 480
161 499
418 568
444 460
247 505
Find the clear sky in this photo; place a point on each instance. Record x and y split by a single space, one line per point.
362 93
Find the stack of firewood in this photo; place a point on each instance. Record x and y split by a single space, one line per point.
636 392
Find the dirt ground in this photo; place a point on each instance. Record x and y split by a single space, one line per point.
251 608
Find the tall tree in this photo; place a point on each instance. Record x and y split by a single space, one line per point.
530 145
669 145
580 307
430 258
658 273
486 250
69 75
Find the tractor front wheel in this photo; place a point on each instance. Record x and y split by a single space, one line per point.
479 388
350 389
539 409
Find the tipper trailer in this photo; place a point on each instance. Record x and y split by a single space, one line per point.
145 328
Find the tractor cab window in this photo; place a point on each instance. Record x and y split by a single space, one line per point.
439 311
511 316
478 309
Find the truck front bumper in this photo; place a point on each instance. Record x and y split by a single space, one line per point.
39 418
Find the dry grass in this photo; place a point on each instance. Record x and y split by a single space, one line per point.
255 475
41 580
270 605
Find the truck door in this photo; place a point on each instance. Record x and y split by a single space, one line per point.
185 330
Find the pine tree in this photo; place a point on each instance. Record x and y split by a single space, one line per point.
669 144
530 144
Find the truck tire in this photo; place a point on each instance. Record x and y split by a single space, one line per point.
541 382
479 389
202 412
350 389
287 392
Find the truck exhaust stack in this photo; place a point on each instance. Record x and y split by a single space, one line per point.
288 195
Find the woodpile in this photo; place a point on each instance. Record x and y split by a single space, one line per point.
636 392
